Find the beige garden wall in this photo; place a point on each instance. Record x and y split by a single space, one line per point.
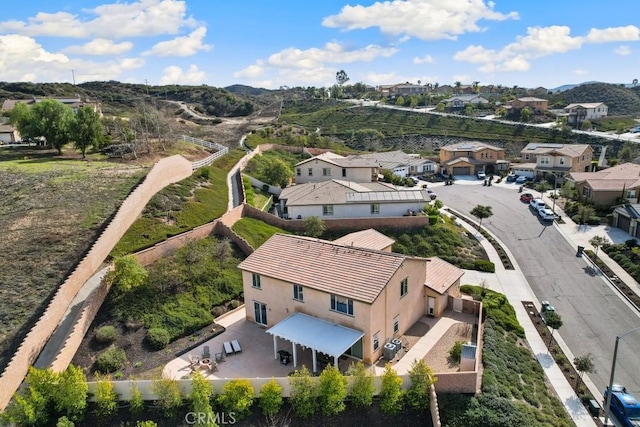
165 172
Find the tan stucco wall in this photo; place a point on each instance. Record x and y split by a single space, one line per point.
490 156
317 166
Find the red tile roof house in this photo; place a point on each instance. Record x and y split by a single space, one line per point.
607 186
338 299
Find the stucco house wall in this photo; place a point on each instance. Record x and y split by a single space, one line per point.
356 210
319 170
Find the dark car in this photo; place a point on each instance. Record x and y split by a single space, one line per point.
512 178
526 197
624 406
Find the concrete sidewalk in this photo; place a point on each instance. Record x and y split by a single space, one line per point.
514 285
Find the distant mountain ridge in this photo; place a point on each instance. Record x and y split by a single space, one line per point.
573 85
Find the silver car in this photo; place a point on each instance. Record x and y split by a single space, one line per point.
546 214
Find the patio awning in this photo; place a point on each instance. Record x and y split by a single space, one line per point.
325 337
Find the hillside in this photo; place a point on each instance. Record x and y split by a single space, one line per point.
622 101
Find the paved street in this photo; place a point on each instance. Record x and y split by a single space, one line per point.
593 313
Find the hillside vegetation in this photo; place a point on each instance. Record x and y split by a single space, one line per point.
622 101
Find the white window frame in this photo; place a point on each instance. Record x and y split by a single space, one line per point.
327 210
337 301
375 209
255 278
326 171
298 293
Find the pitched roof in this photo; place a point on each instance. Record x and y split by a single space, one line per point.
339 192
441 275
470 146
584 105
360 274
394 159
571 150
532 99
341 161
626 175
457 160
367 239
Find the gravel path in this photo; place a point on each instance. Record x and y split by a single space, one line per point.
438 357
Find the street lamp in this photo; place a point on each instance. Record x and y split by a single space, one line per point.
607 405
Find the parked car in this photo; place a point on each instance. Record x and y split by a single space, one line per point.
526 197
512 178
521 179
624 406
537 204
546 214
432 195
635 129
481 175
545 309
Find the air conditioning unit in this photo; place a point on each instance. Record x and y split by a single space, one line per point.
389 351
398 344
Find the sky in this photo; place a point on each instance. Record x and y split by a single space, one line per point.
275 43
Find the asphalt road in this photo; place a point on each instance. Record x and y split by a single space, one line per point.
593 313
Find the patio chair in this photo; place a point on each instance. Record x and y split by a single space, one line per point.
213 367
193 360
219 357
236 346
206 354
227 347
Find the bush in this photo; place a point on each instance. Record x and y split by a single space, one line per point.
304 393
169 396
594 220
362 388
391 391
106 335
332 390
111 360
455 353
106 397
484 265
237 397
271 398
158 338
419 392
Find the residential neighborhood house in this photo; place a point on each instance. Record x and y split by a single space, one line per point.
401 163
468 158
329 165
8 134
577 113
609 186
341 300
461 101
536 104
348 199
74 102
539 159
627 217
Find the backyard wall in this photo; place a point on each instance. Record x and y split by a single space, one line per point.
165 172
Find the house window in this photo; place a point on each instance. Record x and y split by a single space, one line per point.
404 286
375 208
396 324
586 192
260 312
562 160
326 171
256 280
526 157
310 171
631 194
327 209
344 172
342 305
298 172
298 293
376 341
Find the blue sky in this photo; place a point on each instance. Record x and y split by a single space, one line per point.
273 43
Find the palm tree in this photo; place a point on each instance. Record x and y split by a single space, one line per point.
458 85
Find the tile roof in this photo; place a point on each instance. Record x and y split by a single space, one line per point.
584 105
367 239
532 99
626 175
441 275
571 150
360 274
356 161
394 159
470 146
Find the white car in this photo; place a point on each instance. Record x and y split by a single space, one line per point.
537 204
546 214
481 175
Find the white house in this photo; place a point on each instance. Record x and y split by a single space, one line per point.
347 199
401 163
579 112
8 134
329 166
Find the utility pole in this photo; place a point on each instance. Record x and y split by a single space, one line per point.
73 75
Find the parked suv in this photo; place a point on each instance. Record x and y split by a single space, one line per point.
537 204
546 214
545 309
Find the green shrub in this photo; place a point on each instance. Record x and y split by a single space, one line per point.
271 398
106 334
168 395
484 265
106 397
111 360
577 219
332 390
136 402
158 338
391 391
304 393
433 219
419 392
362 388
237 397
594 220
64 422
455 353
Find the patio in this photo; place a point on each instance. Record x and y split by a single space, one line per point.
257 359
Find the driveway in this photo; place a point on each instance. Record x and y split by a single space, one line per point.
593 313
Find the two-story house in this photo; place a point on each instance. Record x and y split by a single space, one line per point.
607 186
328 166
579 112
536 104
468 158
461 101
401 163
347 199
559 159
341 300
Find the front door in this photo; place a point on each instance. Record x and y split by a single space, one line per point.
260 313
431 306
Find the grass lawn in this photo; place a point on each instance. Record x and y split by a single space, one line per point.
255 231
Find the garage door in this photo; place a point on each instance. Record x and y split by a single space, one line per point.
462 171
624 223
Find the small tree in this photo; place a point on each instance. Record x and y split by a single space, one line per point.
271 398
314 226
237 397
584 364
86 129
332 390
597 241
200 399
304 393
168 395
554 321
455 353
136 402
106 397
70 396
481 212
362 388
127 273
391 391
419 393
543 187
585 212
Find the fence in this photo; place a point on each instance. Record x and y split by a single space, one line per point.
221 150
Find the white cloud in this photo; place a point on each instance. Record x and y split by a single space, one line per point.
580 72
143 18
393 77
331 53
182 46
427 59
623 50
423 19
251 72
176 75
100 47
614 34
